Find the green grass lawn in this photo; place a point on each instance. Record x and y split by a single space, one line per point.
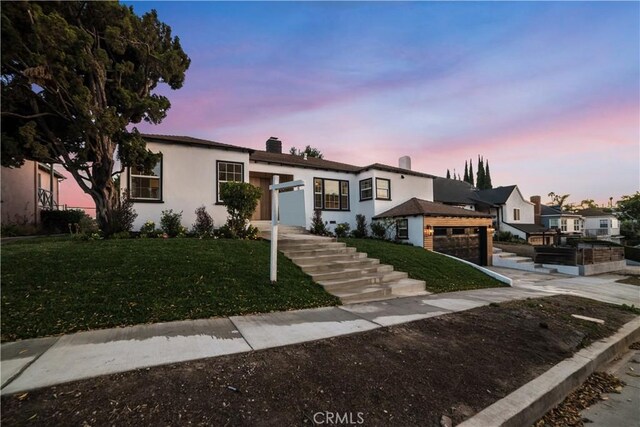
54 286
441 274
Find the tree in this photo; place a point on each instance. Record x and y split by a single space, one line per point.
629 206
241 199
557 199
309 151
588 203
487 177
466 172
480 174
75 76
470 172
448 174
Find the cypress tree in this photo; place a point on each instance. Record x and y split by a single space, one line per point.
448 174
466 172
480 175
487 178
470 172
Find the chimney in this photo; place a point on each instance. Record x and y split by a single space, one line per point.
405 162
274 145
537 209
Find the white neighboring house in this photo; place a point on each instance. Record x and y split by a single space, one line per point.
600 223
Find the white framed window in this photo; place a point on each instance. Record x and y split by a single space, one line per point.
331 194
576 225
366 189
516 214
383 189
563 224
604 223
402 228
554 222
228 172
146 184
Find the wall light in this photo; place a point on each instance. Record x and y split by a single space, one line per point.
428 230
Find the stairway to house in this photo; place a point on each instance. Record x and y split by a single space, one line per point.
343 272
511 260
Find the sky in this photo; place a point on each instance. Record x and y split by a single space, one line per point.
547 92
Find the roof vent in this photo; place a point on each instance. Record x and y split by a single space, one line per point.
405 162
274 145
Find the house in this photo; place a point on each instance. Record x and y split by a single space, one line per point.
191 171
601 223
27 190
568 223
509 210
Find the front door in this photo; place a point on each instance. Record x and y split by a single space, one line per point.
263 211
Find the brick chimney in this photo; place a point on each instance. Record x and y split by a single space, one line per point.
537 209
274 145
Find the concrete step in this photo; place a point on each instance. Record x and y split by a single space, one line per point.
350 273
310 246
506 254
365 280
297 253
520 259
320 259
497 250
339 265
408 287
366 294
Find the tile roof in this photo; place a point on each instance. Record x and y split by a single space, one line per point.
299 161
447 190
187 140
595 212
553 211
387 168
417 206
496 196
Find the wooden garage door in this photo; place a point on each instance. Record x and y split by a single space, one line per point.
459 242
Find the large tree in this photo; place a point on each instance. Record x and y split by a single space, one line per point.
75 76
309 151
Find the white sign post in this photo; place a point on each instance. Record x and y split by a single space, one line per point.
275 212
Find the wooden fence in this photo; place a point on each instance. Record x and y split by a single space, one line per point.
600 255
579 256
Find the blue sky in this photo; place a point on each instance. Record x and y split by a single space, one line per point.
548 92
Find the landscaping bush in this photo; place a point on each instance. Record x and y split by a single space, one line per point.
171 223
318 226
361 227
342 230
378 230
55 221
149 230
203 227
123 215
241 199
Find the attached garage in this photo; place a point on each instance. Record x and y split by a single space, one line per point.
447 229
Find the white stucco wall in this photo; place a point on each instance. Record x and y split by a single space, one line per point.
416 236
593 223
516 201
188 182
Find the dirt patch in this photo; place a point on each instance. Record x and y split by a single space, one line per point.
631 280
411 374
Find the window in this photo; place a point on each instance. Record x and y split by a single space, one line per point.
402 228
576 225
146 184
366 189
516 214
604 223
563 224
229 172
330 194
553 222
383 189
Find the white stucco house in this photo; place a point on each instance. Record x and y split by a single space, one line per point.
191 170
600 223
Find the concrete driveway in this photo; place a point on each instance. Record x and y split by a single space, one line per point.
602 287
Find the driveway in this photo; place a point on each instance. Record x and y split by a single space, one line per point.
602 287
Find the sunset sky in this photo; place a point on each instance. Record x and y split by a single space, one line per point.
548 92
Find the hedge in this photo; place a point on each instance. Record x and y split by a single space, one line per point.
55 221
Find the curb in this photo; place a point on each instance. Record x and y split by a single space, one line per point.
530 402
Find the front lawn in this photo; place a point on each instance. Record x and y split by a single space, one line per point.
441 274
54 286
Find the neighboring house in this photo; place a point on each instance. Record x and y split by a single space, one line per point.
28 189
600 223
568 223
191 170
509 210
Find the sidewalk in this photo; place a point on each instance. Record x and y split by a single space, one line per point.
31 364
36 363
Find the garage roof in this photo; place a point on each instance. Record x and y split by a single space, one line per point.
417 206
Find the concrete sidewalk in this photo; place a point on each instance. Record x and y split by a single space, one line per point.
36 363
30 364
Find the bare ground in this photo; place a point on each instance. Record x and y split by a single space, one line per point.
411 374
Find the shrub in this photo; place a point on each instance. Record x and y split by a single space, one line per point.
171 223
342 230
149 230
378 230
203 227
317 224
241 199
123 215
55 221
88 225
361 227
